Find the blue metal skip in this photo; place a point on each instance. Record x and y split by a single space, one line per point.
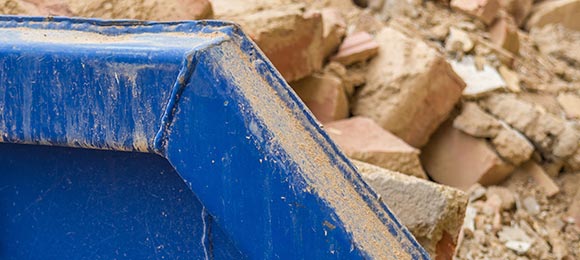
192 147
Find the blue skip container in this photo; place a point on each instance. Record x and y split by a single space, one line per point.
175 140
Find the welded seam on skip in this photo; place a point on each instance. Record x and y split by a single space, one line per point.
187 68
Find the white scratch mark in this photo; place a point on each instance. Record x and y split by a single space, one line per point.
203 233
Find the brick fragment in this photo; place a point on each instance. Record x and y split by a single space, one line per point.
409 93
362 139
433 213
355 48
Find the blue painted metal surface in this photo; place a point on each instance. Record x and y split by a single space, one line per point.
209 154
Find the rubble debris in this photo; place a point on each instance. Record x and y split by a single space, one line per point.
456 159
433 213
571 104
289 36
558 42
504 33
547 102
334 29
484 10
552 135
512 80
564 12
324 95
512 146
541 178
531 206
506 197
362 139
355 48
157 10
478 82
516 239
574 210
458 41
518 9
476 122
410 88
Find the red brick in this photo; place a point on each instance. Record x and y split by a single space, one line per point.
355 48
324 95
456 159
362 139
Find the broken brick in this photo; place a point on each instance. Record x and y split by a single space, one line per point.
324 95
456 159
540 177
476 122
362 139
504 33
409 93
289 36
334 30
564 12
355 48
484 10
433 213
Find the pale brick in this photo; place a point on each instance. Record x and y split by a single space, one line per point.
476 122
410 88
334 30
433 213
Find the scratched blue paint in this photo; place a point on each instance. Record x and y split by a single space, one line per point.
193 170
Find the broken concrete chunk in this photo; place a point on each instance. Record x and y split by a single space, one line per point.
289 36
552 135
458 41
476 122
518 9
512 146
484 10
559 42
571 104
547 102
540 177
324 95
516 239
362 139
333 31
355 48
517 113
506 196
478 82
564 12
433 213
456 159
531 205
566 142
410 92
504 33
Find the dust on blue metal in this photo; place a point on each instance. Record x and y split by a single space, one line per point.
157 88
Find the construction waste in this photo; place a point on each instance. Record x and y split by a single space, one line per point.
463 115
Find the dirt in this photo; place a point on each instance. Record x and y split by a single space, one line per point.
552 233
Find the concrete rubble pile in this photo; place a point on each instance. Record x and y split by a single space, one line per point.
463 115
